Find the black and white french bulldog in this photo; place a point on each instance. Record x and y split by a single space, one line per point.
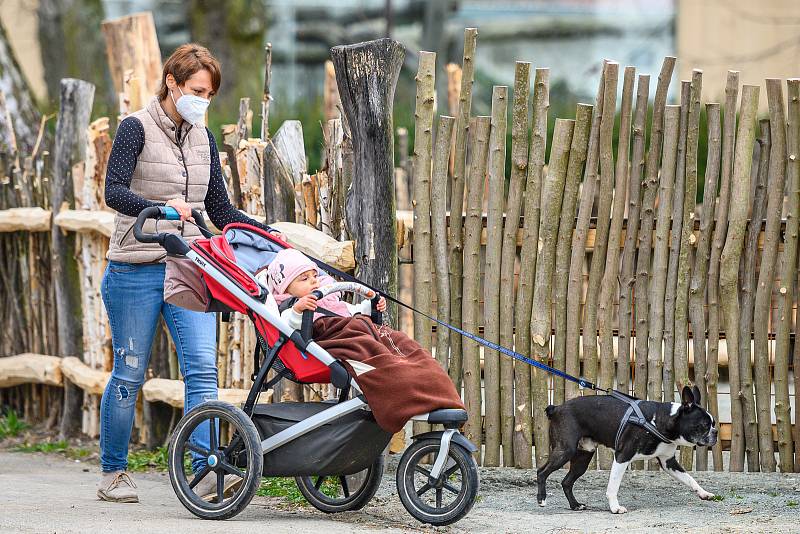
580 424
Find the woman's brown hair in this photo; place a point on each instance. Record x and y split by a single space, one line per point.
184 62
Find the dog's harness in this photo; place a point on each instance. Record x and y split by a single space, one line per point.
634 415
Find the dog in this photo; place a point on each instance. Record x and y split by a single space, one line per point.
580 424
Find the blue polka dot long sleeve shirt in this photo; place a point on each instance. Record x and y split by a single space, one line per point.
128 144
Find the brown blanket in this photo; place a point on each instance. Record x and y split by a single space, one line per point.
405 381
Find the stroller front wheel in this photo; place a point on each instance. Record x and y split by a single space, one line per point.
447 501
342 493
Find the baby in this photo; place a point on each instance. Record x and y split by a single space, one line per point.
292 277
399 377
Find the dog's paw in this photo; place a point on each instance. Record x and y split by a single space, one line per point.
543 502
578 506
703 494
619 510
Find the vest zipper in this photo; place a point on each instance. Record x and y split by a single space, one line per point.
179 143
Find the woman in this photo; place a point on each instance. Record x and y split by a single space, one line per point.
162 155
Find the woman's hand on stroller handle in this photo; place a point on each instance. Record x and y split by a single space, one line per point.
184 210
166 213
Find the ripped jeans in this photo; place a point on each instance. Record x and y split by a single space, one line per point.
133 295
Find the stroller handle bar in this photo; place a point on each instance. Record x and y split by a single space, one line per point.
162 238
351 287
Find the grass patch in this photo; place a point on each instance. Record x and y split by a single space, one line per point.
54 447
791 503
145 460
286 488
718 498
11 425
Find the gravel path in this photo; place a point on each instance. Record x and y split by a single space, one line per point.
48 493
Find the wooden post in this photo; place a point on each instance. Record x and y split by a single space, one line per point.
491 281
660 251
516 190
604 200
472 253
681 354
670 296
441 162
455 236
577 157
720 232
367 75
131 44
786 293
578 249
266 96
70 150
627 275
766 278
610 283
729 267
552 197
697 288
747 267
421 195
646 227
523 438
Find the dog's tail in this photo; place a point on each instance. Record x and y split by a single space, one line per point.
550 410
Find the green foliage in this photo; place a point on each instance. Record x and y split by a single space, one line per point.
54 447
791 503
286 488
11 425
718 498
145 460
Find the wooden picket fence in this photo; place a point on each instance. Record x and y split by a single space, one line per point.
601 263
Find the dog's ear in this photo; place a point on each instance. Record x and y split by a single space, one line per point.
687 397
696 393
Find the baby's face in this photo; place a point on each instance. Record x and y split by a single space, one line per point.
304 284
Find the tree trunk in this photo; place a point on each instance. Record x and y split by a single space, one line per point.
720 232
660 250
627 275
21 133
747 266
729 261
441 161
604 200
646 227
577 157
610 283
421 195
70 150
681 323
132 45
668 372
552 196
457 200
578 251
472 255
785 299
697 288
766 276
516 191
530 239
491 281
367 75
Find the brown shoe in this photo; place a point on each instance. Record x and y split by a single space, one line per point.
206 489
117 486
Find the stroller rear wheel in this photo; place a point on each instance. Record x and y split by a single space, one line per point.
342 493
233 466
447 501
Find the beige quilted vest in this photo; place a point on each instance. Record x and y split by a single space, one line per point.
164 170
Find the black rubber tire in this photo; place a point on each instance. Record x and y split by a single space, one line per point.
250 450
407 490
355 501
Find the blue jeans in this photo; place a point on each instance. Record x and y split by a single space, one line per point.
134 297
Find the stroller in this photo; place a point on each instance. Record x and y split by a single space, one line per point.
334 449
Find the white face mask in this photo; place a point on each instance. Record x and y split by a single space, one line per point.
191 107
